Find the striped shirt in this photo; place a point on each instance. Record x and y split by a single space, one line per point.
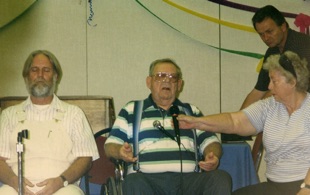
286 138
74 121
157 152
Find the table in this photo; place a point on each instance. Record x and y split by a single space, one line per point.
237 161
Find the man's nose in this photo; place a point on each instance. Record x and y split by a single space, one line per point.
265 37
167 79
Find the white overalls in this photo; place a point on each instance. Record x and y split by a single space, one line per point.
47 152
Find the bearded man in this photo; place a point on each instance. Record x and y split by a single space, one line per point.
61 145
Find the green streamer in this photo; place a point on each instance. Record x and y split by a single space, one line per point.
243 53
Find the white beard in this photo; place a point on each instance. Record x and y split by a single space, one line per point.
41 88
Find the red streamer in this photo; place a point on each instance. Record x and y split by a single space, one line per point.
303 22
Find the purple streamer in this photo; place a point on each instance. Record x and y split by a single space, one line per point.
247 8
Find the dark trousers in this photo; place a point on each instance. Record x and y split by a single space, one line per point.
270 188
216 182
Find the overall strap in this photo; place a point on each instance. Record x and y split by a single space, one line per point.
137 112
188 111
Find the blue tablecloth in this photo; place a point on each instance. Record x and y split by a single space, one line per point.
237 161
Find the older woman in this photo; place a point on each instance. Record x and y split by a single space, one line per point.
285 120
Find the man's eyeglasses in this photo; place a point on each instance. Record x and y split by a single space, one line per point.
287 65
163 76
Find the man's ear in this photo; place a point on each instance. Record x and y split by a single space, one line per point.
284 27
180 85
56 77
148 82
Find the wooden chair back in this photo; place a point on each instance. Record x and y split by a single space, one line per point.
99 110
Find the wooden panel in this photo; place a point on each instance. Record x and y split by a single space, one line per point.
99 110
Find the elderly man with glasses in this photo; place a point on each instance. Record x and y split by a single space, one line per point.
160 158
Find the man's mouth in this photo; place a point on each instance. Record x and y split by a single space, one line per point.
269 43
166 88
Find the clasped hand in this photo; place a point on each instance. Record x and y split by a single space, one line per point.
50 186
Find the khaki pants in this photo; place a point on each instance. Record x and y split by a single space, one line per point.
70 189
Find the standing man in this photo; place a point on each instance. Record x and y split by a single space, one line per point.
273 29
165 167
61 145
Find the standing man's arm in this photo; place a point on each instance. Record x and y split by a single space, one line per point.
260 91
254 96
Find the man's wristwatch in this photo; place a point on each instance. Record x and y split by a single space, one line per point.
304 185
64 180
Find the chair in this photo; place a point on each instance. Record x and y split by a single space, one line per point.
99 111
114 184
257 150
102 169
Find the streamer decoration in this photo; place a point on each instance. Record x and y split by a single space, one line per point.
243 53
211 19
303 22
91 14
247 8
